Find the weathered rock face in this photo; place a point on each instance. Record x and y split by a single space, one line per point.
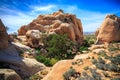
109 30
3 36
59 23
33 38
9 74
25 67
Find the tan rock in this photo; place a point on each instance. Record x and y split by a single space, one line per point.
3 36
34 38
58 22
22 30
109 30
9 74
25 67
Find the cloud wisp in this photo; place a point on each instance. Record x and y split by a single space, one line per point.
15 18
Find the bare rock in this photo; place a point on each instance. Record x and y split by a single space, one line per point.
109 30
3 36
34 38
25 67
9 74
58 22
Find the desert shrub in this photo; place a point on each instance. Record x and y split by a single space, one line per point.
100 66
44 72
68 74
89 39
105 74
100 60
46 61
102 54
115 79
86 78
113 49
58 46
53 61
116 59
84 73
114 67
86 68
83 48
35 77
96 76
94 61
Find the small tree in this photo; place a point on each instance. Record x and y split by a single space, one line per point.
59 46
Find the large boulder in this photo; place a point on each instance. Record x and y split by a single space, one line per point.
9 74
25 67
109 30
3 36
34 38
58 22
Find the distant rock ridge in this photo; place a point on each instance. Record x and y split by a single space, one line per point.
57 22
109 30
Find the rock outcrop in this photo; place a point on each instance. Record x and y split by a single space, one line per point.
25 67
9 74
58 22
34 38
3 36
109 30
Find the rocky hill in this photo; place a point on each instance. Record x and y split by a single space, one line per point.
57 22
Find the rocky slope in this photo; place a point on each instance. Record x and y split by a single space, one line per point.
58 22
109 30
97 65
10 56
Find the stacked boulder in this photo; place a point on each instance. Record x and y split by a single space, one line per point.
59 23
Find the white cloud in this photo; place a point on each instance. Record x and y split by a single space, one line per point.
43 8
90 20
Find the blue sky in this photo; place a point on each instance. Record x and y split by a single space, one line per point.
15 13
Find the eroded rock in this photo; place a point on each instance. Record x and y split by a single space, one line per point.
109 30
58 22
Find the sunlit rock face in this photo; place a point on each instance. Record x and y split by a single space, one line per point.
3 36
57 22
109 30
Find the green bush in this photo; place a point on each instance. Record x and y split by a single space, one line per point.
100 60
83 48
88 40
53 61
58 46
46 61
116 59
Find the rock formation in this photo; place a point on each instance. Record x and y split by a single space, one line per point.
9 74
109 30
9 55
3 36
33 38
58 22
